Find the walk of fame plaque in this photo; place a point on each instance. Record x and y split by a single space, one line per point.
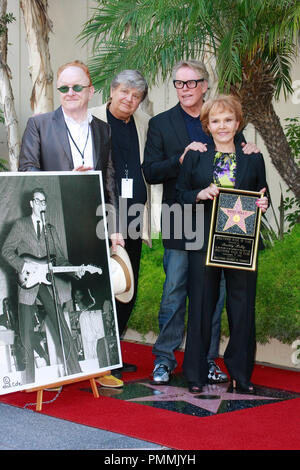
234 230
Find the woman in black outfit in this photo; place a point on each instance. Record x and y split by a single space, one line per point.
222 165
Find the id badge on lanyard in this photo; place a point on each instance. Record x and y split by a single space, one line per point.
127 186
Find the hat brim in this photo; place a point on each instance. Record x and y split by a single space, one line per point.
121 256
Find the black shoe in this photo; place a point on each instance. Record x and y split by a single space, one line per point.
117 373
128 367
195 388
240 387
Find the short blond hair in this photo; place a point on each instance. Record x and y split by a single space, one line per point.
222 103
198 66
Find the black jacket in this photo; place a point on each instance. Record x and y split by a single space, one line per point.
197 174
166 141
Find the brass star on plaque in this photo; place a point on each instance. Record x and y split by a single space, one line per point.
236 216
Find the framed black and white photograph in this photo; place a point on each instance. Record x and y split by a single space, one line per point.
57 306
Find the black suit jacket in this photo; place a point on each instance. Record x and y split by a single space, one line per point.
166 140
197 174
45 147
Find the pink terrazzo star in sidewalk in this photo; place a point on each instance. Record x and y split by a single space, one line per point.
210 399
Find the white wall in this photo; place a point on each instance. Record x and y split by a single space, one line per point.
68 17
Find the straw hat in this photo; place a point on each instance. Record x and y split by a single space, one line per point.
121 275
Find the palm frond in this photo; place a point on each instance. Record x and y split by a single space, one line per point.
147 35
152 35
280 69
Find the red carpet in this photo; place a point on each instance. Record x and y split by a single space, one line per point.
272 427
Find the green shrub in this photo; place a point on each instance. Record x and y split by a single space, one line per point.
278 290
277 298
151 279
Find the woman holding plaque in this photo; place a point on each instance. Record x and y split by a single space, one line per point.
201 175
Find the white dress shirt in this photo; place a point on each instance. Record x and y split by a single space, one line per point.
81 134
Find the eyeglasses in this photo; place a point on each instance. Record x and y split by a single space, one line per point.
76 88
188 83
39 202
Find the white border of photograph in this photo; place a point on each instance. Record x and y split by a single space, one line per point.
75 202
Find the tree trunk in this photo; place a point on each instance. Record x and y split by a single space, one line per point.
38 26
7 100
256 95
267 123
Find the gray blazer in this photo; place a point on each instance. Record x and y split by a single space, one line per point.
45 147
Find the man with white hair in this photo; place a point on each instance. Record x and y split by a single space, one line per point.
129 126
171 134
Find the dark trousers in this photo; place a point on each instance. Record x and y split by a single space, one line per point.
26 325
134 249
203 286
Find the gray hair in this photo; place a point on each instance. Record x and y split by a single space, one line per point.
132 79
198 66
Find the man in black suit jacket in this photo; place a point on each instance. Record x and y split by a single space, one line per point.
170 135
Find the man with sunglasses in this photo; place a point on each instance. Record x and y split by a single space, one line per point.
72 139
170 135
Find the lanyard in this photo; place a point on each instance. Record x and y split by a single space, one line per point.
86 141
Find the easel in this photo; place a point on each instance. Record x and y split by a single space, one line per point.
91 378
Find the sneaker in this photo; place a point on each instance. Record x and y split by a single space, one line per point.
215 375
109 381
161 374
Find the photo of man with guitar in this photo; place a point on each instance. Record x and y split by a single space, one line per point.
33 249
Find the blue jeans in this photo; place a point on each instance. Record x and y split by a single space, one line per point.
172 307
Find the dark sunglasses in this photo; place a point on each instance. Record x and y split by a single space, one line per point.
76 88
188 83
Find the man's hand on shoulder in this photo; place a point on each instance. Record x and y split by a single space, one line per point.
249 148
196 146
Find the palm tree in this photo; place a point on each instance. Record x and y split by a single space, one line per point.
254 43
